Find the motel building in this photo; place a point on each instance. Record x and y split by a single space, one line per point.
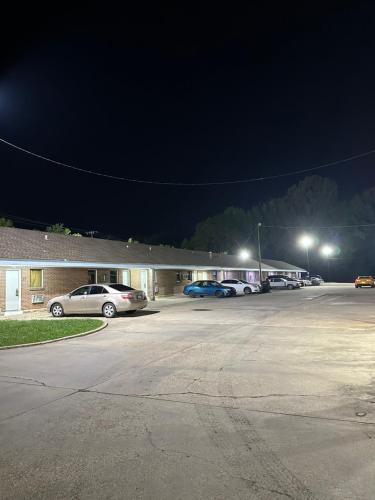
36 266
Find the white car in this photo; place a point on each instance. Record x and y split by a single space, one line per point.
304 282
242 287
282 283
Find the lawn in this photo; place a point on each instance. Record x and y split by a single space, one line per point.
14 332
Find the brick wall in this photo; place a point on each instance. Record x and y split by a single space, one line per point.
166 282
56 281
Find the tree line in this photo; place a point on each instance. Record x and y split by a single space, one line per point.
311 206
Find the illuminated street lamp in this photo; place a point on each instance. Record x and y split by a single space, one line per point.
306 241
327 251
244 254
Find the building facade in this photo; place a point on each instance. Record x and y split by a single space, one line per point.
37 266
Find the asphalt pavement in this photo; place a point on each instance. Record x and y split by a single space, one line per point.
264 397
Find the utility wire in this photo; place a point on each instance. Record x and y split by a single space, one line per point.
216 183
31 222
320 227
45 224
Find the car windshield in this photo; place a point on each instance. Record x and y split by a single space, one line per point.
120 288
364 277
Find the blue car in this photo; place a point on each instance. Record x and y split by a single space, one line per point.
208 287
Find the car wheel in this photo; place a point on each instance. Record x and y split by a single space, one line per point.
57 310
247 290
219 294
109 310
130 312
192 294
290 287
356 286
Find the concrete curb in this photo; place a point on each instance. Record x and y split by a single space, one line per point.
104 325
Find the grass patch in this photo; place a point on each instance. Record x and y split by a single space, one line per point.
13 332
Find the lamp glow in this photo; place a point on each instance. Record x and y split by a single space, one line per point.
306 241
327 251
244 254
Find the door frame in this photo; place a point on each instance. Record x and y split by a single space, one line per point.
147 280
19 292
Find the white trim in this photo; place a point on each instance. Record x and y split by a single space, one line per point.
125 265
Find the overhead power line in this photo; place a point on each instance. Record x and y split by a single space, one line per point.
37 223
167 183
320 227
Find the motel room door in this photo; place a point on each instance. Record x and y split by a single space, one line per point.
126 277
144 281
12 290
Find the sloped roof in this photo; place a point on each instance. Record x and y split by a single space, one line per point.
25 244
282 266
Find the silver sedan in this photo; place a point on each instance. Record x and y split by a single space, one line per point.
106 299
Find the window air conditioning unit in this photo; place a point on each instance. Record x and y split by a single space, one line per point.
37 299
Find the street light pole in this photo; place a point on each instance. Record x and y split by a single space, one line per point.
259 254
308 260
306 241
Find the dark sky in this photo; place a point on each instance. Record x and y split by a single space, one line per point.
185 95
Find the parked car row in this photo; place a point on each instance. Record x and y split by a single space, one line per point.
230 287
110 299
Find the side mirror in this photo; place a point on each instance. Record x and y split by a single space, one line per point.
70 295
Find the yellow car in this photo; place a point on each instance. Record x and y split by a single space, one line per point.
364 281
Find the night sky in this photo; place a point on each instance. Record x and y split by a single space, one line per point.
185 95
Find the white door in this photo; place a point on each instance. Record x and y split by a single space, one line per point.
126 278
202 275
144 281
12 290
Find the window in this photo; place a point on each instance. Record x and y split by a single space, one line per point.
92 276
96 290
36 278
121 288
184 276
113 276
84 290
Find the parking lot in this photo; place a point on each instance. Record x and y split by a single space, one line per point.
264 396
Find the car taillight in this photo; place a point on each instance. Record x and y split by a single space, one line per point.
127 296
